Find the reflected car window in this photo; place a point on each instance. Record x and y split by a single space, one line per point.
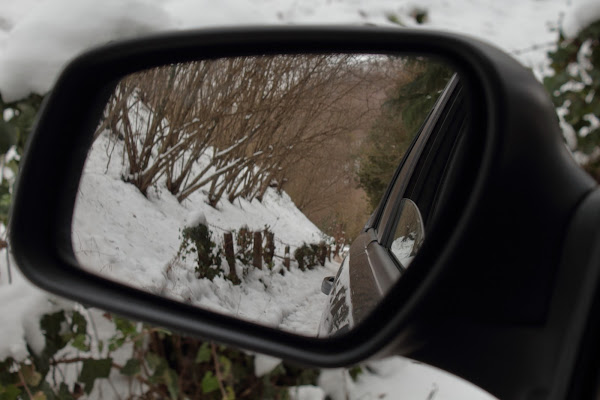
409 234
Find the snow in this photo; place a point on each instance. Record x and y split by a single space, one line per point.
38 37
21 306
196 218
581 15
398 378
402 247
120 234
39 44
307 392
264 364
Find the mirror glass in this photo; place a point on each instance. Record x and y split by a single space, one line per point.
410 233
239 185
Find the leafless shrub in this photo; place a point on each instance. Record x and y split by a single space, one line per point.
233 127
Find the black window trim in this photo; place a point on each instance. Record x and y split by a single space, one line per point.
396 189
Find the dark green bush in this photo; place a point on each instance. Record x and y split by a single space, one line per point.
244 240
198 239
310 255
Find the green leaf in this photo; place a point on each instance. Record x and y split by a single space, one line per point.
79 342
51 325
154 360
132 367
209 383
125 326
230 393
64 393
50 392
203 354
10 392
115 343
170 379
78 323
31 376
163 331
39 396
8 136
355 372
92 370
225 365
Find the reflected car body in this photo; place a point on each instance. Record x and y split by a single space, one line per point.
375 262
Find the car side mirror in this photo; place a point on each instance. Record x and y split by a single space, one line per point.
327 284
197 130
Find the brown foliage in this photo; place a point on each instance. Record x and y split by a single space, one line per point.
253 119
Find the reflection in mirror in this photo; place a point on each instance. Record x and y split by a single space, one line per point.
410 233
238 184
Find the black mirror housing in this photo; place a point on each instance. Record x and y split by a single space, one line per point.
457 304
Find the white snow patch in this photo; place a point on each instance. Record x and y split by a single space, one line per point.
36 49
398 378
264 364
195 219
21 307
38 37
307 392
581 14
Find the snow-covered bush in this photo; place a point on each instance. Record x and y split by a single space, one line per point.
574 89
141 361
310 255
16 121
197 240
244 238
32 377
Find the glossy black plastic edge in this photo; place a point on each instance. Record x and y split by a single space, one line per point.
579 362
40 234
74 106
486 308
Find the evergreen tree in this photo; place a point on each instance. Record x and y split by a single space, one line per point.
401 116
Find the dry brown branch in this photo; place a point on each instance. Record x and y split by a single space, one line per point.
254 121
213 349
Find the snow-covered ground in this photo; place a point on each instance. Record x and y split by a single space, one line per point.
133 239
120 234
37 37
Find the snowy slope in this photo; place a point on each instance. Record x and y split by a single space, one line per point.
131 238
120 234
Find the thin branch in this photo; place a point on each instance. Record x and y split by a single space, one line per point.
22 378
213 349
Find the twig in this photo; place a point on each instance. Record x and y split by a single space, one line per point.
213 348
433 391
22 378
112 385
94 329
79 359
